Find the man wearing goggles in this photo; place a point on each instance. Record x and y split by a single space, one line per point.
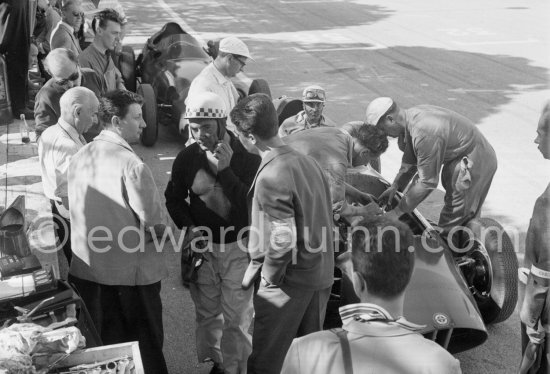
313 99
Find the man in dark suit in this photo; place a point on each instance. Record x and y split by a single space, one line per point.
15 43
290 240
71 19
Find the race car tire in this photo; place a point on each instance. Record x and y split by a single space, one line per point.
150 132
127 67
259 86
499 298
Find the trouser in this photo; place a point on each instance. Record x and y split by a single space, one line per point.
462 206
62 231
282 314
223 309
17 54
127 313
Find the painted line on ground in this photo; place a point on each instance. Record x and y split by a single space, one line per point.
181 21
378 46
526 41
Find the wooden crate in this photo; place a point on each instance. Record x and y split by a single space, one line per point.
103 353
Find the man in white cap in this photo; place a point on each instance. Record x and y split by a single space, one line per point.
216 77
313 99
436 140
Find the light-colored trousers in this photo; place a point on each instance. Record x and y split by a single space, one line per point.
223 309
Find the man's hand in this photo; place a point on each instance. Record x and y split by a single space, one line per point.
387 196
366 198
223 154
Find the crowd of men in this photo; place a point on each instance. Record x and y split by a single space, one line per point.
258 203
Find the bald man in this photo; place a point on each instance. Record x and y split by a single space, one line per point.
57 145
66 73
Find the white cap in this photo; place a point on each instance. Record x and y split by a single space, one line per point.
205 105
376 109
235 46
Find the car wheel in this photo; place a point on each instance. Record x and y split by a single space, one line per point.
150 132
127 67
491 269
259 86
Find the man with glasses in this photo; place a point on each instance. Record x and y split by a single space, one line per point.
231 59
71 19
313 98
63 66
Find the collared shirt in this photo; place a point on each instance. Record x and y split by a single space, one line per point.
212 80
379 343
116 215
57 145
90 10
46 104
215 201
299 122
63 36
102 63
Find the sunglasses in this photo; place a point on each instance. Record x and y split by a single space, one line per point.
243 64
71 78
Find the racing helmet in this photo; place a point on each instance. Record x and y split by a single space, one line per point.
205 105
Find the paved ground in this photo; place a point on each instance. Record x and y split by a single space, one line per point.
486 60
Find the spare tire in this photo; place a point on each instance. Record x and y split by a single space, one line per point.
127 67
259 86
150 132
493 276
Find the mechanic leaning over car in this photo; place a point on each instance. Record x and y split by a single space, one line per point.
377 335
215 173
313 99
216 77
336 150
97 56
535 310
432 138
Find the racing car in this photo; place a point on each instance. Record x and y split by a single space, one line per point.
460 283
456 288
163 72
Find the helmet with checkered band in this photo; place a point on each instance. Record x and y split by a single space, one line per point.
205 105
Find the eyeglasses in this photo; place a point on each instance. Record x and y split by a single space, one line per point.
243 64
71 78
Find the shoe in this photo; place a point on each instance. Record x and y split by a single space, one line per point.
217 369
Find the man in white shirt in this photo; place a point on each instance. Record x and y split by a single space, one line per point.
216 77
375 337
57 145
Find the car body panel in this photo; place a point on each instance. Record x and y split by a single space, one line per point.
438 295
